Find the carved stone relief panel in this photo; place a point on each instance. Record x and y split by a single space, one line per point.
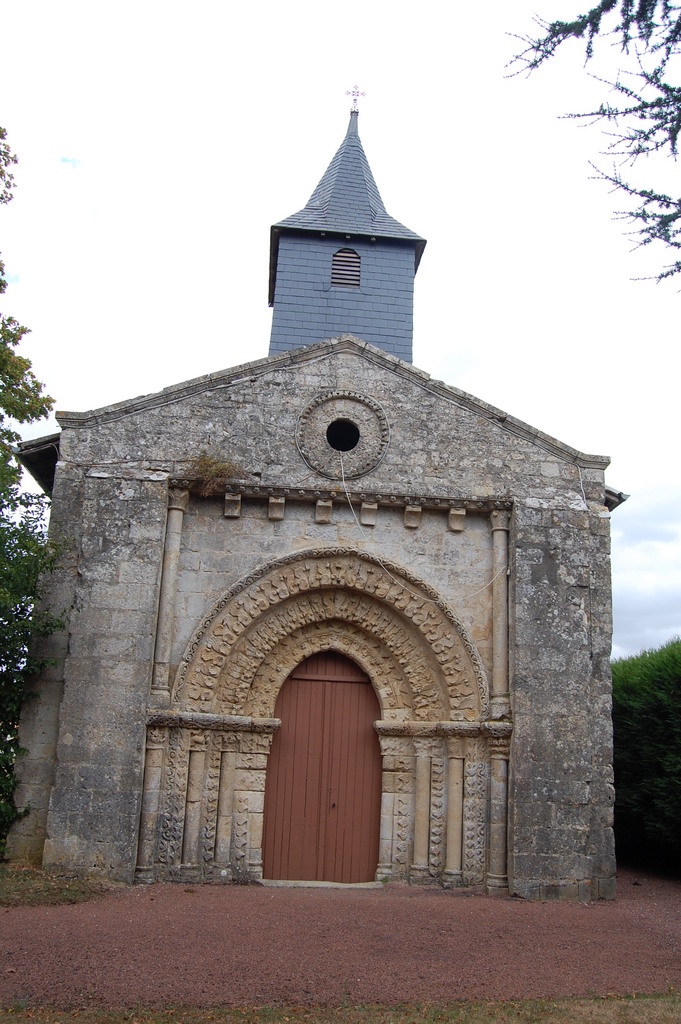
475 802
174 796
438 811
211 792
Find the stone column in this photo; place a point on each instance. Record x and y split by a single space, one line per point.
194 804
499 743
453 875
419 867
223 831
500 705
160 686
151 796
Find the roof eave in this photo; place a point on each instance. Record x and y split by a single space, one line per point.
39 457
613 498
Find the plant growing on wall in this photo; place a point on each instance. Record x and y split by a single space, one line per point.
209 475
24 551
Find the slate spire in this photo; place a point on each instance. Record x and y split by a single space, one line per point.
347 198
345 214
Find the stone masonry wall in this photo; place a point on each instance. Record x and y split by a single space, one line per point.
561 838
94 809
439 445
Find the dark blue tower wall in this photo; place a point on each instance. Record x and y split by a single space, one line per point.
308 309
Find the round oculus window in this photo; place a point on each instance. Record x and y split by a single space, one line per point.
342 434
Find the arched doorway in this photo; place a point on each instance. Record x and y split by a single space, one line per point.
323 788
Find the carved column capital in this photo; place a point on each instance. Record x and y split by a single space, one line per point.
427 746
500 519
500 746
455 747
178 498
255 742
395 746
156 738
499 738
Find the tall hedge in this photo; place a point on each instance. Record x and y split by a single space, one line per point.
647 737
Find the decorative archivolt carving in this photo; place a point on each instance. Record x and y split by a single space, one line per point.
391 679
399 629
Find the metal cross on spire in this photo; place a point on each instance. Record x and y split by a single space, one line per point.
355 93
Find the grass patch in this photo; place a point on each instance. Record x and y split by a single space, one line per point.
24 886
664 1009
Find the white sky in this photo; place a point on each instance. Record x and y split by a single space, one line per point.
158 141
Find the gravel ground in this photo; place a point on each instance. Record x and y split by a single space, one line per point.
165 945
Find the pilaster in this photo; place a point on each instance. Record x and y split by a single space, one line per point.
178 500
500 702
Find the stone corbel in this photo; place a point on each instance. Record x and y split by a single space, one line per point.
412 516
456 520
368 512
276 508
323 511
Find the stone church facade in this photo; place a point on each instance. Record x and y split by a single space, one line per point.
245 551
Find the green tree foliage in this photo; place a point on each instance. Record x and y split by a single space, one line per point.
647 728
646 113
24 552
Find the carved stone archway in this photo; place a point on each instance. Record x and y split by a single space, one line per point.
447 680
209 751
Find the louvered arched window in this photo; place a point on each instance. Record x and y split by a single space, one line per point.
345 269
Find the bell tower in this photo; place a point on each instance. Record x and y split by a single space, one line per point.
342 264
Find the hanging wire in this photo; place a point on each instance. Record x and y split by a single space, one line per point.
401 583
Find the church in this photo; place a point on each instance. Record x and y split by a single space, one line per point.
326 619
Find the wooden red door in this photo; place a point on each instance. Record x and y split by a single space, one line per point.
323 789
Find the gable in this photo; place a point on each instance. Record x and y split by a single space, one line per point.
437 440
